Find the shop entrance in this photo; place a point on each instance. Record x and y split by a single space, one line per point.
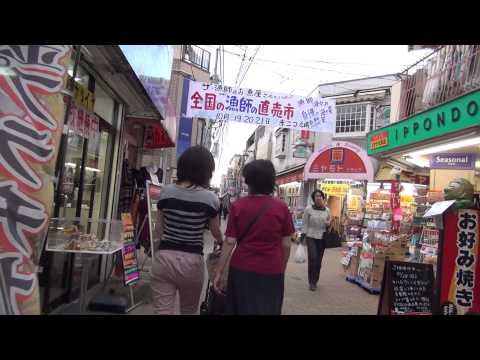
84 195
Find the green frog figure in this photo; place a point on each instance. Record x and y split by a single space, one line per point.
462 191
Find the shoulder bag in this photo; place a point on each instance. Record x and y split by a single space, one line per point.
331 238
213 257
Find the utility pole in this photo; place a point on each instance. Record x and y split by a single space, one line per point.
214 79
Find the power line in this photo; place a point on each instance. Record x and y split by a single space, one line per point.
249 64
302 66
241 67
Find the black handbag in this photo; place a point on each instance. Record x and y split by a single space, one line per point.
331 238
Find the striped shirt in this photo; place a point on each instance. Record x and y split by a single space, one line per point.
186 211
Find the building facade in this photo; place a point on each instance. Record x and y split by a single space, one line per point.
107 92
190 62
436 118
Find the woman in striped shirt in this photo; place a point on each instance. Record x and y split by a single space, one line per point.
184 209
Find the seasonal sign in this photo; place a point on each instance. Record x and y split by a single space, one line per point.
453 161
460 265
407 289
224 103
458 114
32 111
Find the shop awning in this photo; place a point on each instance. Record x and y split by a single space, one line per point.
291 175
146 97
156 137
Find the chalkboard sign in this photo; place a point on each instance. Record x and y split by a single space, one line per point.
407 289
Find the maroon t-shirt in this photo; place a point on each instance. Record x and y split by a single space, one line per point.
261 249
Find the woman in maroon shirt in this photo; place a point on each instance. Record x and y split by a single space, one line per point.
260 227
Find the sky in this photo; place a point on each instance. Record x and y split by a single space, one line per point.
297 70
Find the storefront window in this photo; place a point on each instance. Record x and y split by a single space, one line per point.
84 193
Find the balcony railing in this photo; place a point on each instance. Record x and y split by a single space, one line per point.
196 56
447 73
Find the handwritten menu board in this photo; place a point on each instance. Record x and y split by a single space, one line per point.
407 289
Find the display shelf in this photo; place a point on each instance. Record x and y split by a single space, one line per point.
92 236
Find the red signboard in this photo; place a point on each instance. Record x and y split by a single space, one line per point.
328 162
339 160
379 140
460 263
285 179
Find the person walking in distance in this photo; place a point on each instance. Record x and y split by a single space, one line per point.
226 206
259 228
316 219
184 209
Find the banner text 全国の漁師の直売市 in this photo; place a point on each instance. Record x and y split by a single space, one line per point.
224 103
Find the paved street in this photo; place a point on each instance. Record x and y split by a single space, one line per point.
334 296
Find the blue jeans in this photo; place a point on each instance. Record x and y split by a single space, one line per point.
316 248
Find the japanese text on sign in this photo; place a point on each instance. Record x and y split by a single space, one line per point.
32 78
467 238
411 289
258 107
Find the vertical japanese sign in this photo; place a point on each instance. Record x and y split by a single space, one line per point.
31 121
185 128
460 267
224 103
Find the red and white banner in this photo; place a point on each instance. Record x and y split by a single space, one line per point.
83 123
32 110
224 103
460 267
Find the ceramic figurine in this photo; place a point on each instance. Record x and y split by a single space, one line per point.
462 191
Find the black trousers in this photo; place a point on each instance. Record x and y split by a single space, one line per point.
316 248
250 293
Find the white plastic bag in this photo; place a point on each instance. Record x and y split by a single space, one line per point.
300 254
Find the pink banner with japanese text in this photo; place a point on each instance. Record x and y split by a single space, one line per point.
32 111
224 103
